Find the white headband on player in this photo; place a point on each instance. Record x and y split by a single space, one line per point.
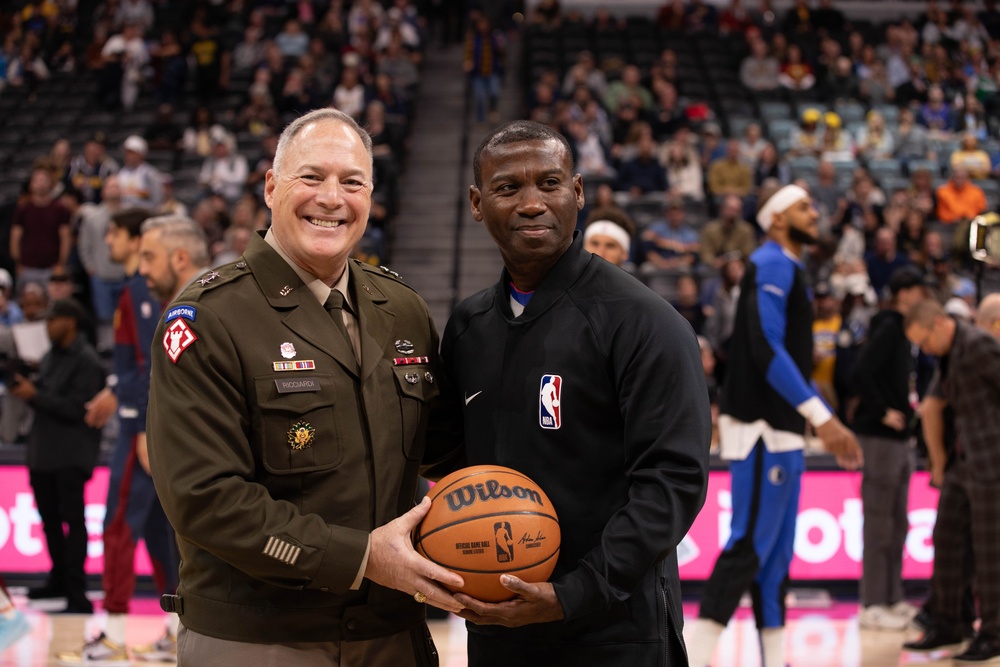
609 229
779 202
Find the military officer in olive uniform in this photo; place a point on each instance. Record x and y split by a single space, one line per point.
290 395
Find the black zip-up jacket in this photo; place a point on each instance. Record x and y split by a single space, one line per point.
67 379
626 467
881 377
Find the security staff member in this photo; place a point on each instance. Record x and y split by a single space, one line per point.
284 439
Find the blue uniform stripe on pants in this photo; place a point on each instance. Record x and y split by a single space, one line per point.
765 501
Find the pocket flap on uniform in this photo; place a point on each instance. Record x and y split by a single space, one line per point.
417 382
299 423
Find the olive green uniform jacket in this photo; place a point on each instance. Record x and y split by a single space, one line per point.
275 456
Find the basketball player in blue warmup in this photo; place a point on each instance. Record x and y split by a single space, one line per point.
765 404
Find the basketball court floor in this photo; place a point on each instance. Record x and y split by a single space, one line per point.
827 637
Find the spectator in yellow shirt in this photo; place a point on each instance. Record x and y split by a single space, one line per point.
826 326
974 159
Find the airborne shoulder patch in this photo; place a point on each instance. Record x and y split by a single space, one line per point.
187 312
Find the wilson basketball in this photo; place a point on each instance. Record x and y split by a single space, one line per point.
486 521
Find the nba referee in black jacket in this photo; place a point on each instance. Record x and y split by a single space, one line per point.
574 373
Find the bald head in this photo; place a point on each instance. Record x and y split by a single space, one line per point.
988 315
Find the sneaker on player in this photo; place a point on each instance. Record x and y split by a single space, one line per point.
98 652
162 650
880 617
12 629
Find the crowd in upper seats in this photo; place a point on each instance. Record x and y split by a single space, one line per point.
215 83
893 129
183 106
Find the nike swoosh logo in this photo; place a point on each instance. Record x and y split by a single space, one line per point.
468 399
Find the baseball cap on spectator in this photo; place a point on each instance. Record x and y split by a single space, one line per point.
959 308
99 137
137 144
6 282
822 289
856 284
711 128
964 289
220 136
831 119
351 59
810 116
697 112
905 277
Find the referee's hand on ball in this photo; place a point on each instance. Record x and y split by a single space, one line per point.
535 603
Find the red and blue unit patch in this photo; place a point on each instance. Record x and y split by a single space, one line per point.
550 402
177 338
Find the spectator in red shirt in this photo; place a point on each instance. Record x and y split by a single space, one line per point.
40 235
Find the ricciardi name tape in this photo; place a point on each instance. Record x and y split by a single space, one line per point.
406 361
187 312
295 385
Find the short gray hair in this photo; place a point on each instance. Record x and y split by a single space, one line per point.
180 231
316 116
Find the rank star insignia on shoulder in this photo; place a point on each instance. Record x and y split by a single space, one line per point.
208 277
392 273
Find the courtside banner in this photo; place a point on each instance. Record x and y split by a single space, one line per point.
828 535
828 541
22 544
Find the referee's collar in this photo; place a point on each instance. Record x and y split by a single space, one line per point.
563 274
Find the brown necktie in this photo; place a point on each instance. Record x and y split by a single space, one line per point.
335 307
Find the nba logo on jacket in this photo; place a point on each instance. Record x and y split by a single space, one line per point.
550 402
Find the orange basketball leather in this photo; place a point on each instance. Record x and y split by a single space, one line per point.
486 521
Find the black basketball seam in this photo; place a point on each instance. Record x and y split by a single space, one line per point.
496 572
420 536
